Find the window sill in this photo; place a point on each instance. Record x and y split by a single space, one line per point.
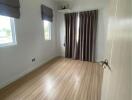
7 45
47 40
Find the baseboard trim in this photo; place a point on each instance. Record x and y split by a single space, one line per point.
28 71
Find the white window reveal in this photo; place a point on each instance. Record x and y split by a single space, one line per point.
47 29
7 31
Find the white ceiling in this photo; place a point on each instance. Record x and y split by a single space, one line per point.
88 1
79 0
64 0
78 5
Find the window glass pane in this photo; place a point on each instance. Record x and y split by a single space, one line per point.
47 30
5 30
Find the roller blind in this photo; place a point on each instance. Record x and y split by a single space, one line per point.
47 13
10 8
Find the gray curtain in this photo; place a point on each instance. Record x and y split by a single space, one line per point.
10 8
87 35
71 30
84 48
47 13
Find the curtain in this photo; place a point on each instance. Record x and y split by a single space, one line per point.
10 8
87 35
71 30
47 13
80 41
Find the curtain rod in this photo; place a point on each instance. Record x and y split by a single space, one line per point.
77 11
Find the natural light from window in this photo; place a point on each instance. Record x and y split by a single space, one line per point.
47 30
78 22
7 35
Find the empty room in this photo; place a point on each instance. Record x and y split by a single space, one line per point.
65 49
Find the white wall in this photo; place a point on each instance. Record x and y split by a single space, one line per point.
61 33
101 35
15 61
131 50
85 5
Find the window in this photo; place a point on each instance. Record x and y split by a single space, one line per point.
7 31
47 30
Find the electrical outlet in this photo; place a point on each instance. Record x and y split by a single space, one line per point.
33 60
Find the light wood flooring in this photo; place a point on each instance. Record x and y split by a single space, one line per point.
59 79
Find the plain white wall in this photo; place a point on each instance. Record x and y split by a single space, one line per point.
16 61
131 50
85 5
61 33
101 35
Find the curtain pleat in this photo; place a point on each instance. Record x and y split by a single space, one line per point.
87 35
84 48
71 30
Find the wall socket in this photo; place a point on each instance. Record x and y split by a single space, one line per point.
33 60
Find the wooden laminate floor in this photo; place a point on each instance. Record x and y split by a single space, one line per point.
59 79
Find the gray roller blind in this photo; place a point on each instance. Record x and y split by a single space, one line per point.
47 13
10 8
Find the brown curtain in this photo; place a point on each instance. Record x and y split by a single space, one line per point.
87 35
71 30
83 46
